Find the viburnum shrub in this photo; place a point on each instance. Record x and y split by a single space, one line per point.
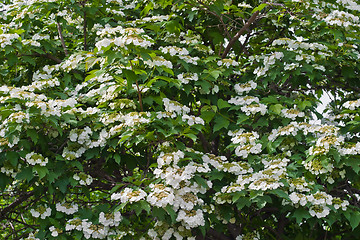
173 119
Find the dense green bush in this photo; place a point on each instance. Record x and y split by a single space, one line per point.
175 119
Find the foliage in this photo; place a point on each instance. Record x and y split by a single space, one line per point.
179 119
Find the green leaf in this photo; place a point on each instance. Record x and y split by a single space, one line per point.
146 206
41 170
26 173
207 115
354 218
13 158
32 133
201 181
237 195
259 8
276 108
242 202
4 180
300 214
354 164
223 104
220 122
171 212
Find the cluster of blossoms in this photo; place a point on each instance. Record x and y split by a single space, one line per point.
267 179
34 158
319 202
339 18
267 60
246 143
159 62
292 113
185 78
129 36
227 63
191 120
164 231
41 211
245 87
67 208
129 195
352 105
250 105
89 229
83 178
175 108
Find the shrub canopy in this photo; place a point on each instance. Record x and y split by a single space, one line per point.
173 119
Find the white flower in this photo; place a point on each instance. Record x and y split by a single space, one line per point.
191 219
129 195
103 43
67 208
41 211
110 219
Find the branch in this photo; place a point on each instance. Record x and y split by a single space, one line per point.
217 235
239 33
85 23
46 55
205 144
16 203
62 39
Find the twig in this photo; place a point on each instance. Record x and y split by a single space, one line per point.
239 33
62 39
17 202
85 31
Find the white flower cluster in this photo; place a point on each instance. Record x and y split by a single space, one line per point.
160 195
339 18
35 158
226 62
349 4
164 231
178 191
31 236
159 18
175 108
129 120
41 211
110 219
316 166
245 87
81 136
254 108
129 195
67 208
91 230
352 105
267 179
54 231
246 142
292 113
296 44
247 100
185 78
294 127
83 178
267 60
158 61
191 218
128 36
7 38
174 51
350 149
191 120
249 236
